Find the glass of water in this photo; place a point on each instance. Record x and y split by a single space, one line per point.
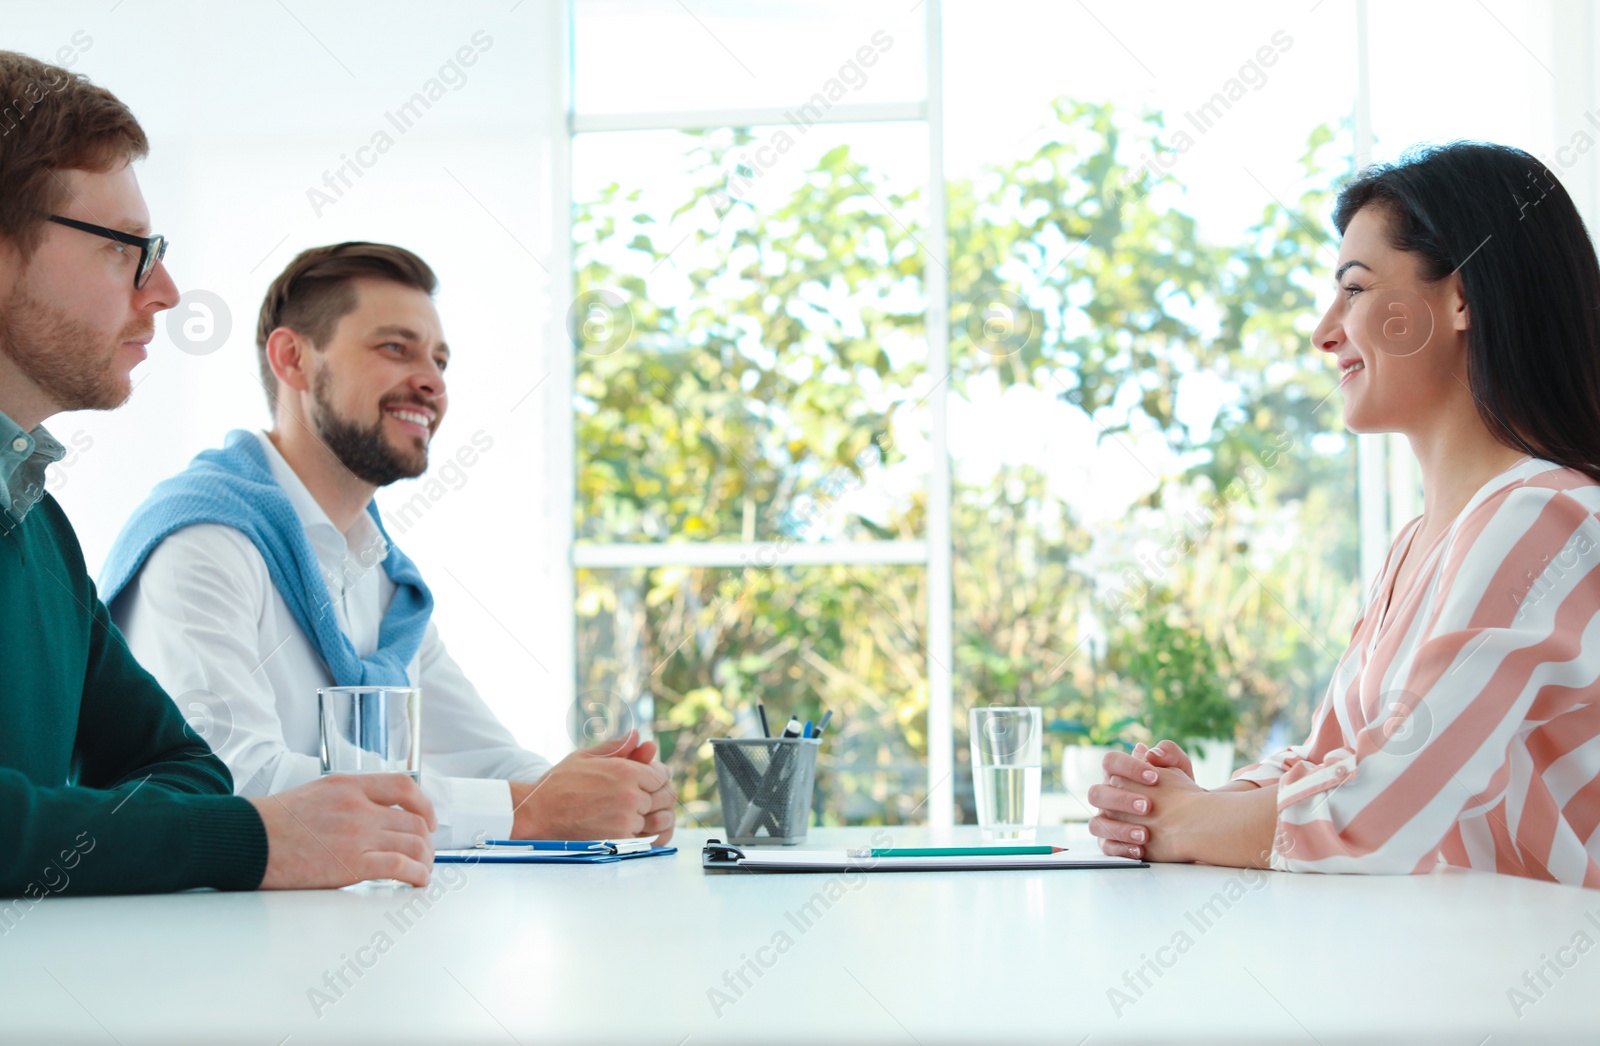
371 730
1006 770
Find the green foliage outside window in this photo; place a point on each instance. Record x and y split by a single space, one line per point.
786 376
1177 672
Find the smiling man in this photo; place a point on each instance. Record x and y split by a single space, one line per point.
102 787
263 571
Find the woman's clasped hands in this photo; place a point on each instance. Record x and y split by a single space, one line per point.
1145 804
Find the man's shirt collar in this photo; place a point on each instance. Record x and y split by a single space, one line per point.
24 457
344 557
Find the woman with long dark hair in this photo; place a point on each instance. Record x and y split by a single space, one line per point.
1460 726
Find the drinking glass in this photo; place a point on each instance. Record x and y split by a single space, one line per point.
371 730
1006 770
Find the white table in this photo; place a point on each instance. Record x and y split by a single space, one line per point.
628 953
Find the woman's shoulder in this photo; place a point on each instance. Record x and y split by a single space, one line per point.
1527 511
1532 528
1536 482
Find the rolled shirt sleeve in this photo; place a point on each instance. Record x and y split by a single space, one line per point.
472 751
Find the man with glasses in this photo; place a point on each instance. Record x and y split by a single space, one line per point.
103 789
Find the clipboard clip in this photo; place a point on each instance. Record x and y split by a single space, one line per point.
718 854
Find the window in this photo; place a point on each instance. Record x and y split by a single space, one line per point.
754 397
756 386
993 376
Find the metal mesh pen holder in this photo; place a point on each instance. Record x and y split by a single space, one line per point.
765 784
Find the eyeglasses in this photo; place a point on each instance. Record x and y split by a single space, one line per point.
151 248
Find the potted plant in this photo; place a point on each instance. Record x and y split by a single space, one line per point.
1081 762
1185 696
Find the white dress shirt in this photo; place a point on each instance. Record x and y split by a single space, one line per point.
203 616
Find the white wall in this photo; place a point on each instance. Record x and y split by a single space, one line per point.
247 105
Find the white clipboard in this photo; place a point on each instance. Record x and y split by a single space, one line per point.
719 856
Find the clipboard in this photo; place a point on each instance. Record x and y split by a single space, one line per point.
538 851
722 857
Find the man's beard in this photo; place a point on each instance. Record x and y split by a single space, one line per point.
57 353
362 449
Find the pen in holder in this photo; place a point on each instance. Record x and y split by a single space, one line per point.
765 784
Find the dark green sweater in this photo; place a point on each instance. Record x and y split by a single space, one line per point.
103 787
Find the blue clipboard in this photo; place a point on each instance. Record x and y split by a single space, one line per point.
538 851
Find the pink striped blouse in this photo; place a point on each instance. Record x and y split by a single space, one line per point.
1461 726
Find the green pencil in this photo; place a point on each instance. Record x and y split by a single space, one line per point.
958 851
